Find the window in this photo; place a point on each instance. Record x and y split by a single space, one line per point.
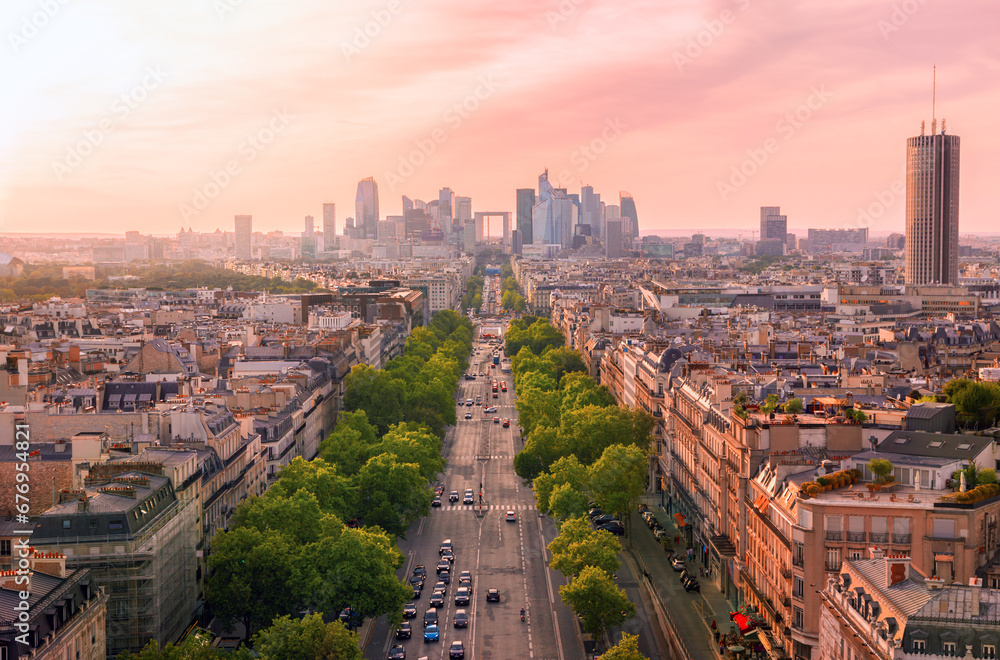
854 555
67 523
798 587
115 525
833 559
919 645
948 647
5 548
989 650
943 528
798 554
798 620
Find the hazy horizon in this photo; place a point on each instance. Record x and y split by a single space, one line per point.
121 112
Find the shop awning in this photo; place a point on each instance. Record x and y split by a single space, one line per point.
745 624
679 517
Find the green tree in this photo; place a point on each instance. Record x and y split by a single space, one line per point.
297 516
308 638
794 406
618 479
579 390
391 494
578 546
543 447
597 600
587 432
986 476
331 490
627 648
976 403
357 569
377 393
566 470
770 404
564 361
254 577
196 646
880 467
413 443
567 502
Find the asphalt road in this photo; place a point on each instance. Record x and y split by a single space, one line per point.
509 556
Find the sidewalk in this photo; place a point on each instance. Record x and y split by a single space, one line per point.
689 614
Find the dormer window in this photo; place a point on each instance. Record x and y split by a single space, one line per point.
919 645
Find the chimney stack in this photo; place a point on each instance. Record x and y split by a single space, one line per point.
897 569
976 587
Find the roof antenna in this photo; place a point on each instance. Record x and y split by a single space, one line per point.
934 102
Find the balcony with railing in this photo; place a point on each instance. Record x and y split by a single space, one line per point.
834 536
879 537
901 539
856 537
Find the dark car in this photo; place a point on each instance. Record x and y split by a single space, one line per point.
410 611
440 586
430 617
492 595
594 513
397 652
462 596
445 545
404 631
449 556
445 576
419 569
351 618
614 527
416 593
461 619
417 581
436 502
437 599
457 649
443 565
602 519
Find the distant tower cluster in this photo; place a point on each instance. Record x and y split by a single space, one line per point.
329 227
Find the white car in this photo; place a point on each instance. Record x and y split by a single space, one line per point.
511 516
491 409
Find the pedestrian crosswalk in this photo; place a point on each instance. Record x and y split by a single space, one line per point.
489 507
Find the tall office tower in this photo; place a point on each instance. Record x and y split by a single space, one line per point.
613 239
366 207
310 227
525 200
516 246
387 229
612 212
407 204
773 225
329 227
244 233
590 211
932 207
628 211
445 203
553 216
463 210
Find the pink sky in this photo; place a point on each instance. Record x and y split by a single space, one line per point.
540 82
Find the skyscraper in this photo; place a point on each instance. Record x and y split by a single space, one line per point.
553 217
613 239
366 207
628 211
407 204
932 207
244 234
310 227
329 227
525 200
773 225
590 211
463 210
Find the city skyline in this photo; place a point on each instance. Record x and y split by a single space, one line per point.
76 153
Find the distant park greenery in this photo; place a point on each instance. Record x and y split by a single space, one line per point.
580 447
290 550
473 297
511 298
43 281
